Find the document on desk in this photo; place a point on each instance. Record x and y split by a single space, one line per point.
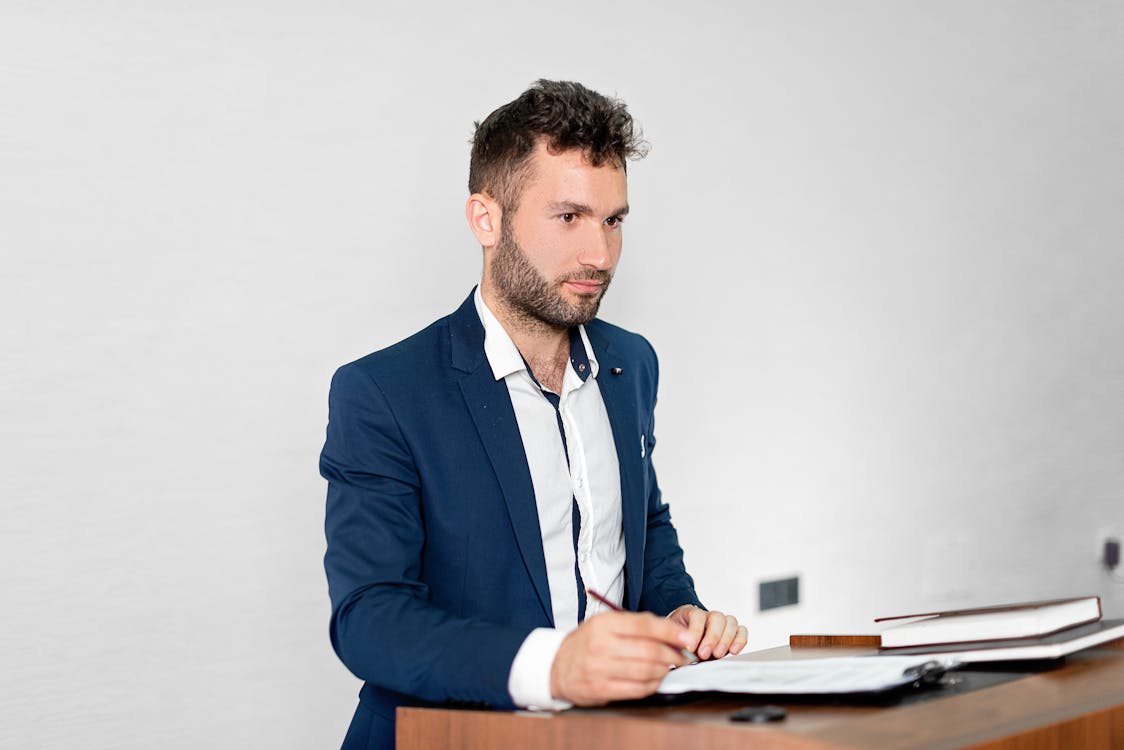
839 675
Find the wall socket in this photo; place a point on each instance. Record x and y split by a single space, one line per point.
779 593
1111 556
1106 534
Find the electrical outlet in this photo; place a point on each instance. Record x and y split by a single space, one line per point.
1105 534
778 593
1111 556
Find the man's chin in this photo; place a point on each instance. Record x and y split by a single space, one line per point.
574 315
583 313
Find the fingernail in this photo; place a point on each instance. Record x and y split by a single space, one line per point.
704 652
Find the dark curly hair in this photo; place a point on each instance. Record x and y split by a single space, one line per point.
567 115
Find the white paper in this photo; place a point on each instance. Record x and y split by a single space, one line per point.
847 674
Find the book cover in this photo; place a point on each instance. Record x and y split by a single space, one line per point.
1004 621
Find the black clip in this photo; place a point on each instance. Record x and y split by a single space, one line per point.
929 673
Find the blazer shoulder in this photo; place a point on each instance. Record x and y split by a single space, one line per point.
422 353
456 340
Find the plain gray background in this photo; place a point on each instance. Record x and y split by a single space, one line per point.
876 244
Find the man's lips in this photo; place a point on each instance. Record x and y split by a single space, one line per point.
585 286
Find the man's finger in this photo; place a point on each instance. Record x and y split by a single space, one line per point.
696 626
636 670
645 625
649 651
723 646
715 626
740 640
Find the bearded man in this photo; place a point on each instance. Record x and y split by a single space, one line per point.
487 473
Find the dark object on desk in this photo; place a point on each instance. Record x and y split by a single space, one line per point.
929 673
759 714
951 683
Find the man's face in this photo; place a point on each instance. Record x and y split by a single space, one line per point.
558 249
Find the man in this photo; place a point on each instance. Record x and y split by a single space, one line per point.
486 472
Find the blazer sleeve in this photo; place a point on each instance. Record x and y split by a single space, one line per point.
383 625
666 583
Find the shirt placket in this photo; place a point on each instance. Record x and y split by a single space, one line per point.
582 522
556 401
579 482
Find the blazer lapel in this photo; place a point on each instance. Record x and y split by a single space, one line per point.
619 395
489 404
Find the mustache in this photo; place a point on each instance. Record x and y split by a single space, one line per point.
591 274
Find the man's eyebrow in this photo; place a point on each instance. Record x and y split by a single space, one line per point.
573 207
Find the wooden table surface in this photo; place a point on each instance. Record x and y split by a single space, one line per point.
1079 705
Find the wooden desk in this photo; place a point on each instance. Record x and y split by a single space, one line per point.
1080 705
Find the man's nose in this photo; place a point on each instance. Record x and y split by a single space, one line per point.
597 248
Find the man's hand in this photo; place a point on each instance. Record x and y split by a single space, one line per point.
713 634
616 656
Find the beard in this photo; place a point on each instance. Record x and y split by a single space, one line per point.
532 297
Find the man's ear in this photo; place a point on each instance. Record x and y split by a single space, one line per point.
484 216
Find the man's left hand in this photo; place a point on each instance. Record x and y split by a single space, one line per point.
714 634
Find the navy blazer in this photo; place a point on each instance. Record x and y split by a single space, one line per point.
434 560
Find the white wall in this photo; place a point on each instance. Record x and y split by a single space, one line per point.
877 245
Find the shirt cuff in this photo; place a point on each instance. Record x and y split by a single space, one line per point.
529 680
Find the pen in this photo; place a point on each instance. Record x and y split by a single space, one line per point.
687 653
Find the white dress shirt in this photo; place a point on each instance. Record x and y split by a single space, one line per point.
590 476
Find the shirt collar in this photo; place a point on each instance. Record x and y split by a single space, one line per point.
504 357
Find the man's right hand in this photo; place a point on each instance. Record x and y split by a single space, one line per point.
616 656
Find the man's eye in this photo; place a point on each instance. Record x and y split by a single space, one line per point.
614 221
568 218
